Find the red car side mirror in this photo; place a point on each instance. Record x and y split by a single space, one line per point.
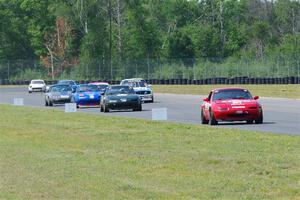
206 99
256 97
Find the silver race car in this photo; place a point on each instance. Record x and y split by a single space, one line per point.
58 94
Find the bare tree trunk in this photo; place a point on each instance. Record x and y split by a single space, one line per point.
148 64
222 24
260 50
52 62
119 23
212 13
82 16
110 39
293 21
57 32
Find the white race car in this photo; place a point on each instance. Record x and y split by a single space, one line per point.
37 86
141 88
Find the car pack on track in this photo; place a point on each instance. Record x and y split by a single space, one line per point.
221 105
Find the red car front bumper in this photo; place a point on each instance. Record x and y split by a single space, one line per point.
237 115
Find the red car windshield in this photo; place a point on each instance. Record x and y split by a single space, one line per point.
231 94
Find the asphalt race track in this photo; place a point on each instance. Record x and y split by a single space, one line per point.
280 115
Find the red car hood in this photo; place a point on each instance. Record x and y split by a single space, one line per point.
237 103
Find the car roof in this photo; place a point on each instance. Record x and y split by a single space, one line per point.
65 80
37 80
134 79
98 83
86 84
119 86
60 85
233 88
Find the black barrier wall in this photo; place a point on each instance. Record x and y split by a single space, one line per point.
208 81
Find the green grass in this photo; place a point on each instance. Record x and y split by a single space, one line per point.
48 154
285 91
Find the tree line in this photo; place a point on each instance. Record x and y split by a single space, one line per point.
62 34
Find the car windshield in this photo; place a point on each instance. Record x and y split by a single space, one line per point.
87 88
66 82
125 82
140 84
119 90
137 83
102 87
231 94
61 88
37 82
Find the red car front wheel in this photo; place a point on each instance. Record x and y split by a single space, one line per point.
212 119
260 119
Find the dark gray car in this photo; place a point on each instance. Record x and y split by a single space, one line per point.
120 97
58 94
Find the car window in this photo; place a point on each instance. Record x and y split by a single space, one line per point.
67 82
61 88
140 84
231 94
124 82
120 90
102 87
87 88
37 82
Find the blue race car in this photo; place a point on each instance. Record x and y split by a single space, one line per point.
86 95
71 83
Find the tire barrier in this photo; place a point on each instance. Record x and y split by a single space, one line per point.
207 81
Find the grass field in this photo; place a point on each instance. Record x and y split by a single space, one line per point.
48 154
285 91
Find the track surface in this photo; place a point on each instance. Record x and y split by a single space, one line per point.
280 115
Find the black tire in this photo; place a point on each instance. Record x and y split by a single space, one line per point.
29 92
46 103
212 119
139 108
101 108
152 100
203 120
260 119
249 121
50 103
105 109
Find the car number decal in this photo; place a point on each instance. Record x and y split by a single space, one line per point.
234 102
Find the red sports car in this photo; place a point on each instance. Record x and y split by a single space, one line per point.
231 104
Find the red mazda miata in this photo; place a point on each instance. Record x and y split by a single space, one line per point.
231 104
